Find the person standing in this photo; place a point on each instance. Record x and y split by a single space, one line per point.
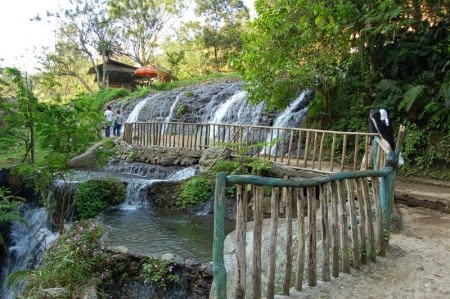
379 124
118 120
108 121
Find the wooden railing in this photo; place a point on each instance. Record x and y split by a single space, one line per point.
318 150
354 209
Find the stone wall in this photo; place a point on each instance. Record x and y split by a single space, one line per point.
164 156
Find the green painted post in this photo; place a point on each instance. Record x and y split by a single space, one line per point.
220 273
387 193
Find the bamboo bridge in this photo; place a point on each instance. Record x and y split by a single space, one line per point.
354 206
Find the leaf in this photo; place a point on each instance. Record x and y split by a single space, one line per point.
15 277
410 97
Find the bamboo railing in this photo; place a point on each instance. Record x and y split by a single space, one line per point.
319 150
354 211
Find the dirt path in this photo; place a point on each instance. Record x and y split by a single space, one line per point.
417 264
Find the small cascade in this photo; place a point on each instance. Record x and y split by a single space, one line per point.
134 115
136 194
292 116
183 174
236 110
29 241
141 169
172 108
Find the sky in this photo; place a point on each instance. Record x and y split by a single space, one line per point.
22 39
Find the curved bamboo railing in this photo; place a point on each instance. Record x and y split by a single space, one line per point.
346 202
318 150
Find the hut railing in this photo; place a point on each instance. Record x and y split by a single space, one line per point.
319 150
354 209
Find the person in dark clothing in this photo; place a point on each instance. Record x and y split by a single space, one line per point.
379 123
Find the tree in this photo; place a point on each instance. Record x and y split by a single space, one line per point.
294 45
20 113
142 22
63 73
87 28
224 22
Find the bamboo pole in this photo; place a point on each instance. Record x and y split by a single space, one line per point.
321 151
301 238
333 149
355 154
370 232
356 184
291 140
325 233
344 235
220 273
287 198
241 230
273 242
312 262
379 215
314 150
344 229
306 150
257 240
299 147
354 226
344 152
334 228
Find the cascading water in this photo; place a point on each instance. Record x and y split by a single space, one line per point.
291 117
29 241
134 115
172 108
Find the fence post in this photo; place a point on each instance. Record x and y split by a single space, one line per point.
220 274
387 194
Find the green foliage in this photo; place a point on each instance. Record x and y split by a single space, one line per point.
19 115
160 272
195 191
106 151
140 92
94 196
181 110
76 259
107 95
9 211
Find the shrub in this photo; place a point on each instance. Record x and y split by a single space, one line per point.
181 110
94 196
160 272
195 191
104 152
75 260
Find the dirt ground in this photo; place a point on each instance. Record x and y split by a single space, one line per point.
417 264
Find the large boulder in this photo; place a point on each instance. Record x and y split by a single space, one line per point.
211 155
86 160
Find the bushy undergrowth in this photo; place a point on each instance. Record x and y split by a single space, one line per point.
106 151
94 196
160 272
77 259
195 191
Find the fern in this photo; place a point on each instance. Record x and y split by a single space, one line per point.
388 86
410 97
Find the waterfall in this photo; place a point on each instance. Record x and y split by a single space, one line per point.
141 169
183 174
29 241
292 116
134 115
236 110
136 194
172 108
